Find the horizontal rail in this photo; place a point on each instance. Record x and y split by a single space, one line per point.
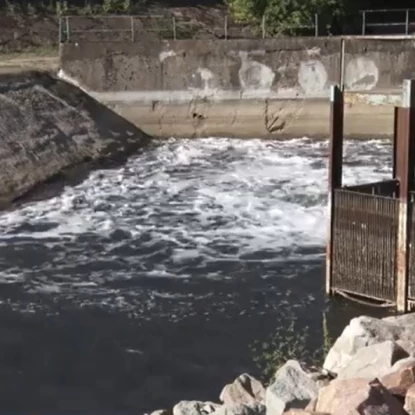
386 10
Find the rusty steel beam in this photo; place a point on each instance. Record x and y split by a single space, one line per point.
404 170
335 169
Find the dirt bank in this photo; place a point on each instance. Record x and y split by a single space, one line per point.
48 127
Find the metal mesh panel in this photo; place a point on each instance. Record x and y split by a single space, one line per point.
364 243
411 253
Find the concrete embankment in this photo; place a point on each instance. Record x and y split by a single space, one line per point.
48 126
244 88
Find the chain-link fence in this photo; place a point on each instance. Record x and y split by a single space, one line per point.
133 27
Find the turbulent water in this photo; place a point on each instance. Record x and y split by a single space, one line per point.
147 284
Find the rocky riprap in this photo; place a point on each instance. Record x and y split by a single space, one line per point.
370 370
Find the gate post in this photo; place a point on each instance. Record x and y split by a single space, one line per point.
335 168
404 170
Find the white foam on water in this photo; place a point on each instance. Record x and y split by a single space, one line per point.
197 202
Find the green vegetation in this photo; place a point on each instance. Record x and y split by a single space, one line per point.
271 17
293 16
83 7
289 341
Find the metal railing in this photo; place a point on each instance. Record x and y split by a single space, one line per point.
406 24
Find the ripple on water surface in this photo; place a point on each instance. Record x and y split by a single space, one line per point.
214 229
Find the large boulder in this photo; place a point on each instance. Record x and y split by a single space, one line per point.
401 377
245 390
292 388
361 332
410 401
373 361
357 397
195 408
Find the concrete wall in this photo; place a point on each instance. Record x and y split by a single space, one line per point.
261 88
49 128
378 65
197 68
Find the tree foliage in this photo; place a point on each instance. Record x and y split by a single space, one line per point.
286 16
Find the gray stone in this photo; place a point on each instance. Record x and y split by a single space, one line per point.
407 323
195 408
257 409
373 361
361 332
408 346
292 387
245 390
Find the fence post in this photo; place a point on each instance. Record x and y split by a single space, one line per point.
226 27
407 22
174 28
363 23
132 29
67 29
316 25
60 31
405 147
264 33
335 169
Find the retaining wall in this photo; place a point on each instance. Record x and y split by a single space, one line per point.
159 83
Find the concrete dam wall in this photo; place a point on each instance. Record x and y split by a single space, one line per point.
49 128
245 88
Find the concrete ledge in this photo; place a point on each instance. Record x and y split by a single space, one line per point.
278 119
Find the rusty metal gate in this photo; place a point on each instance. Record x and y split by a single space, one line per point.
411 255
364 240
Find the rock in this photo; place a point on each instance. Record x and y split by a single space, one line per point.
373 361
408 346
401 377
303 412
161 412
410 401
245 390
311 407
357 397
195 408
257 409
292 387
361 332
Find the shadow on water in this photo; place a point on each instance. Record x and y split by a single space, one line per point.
88 360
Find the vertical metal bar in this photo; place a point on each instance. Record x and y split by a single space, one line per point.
226 27
67 29
132 29
316 25
395 133
174 28
335 170
264 33
363 23
404 172
407 22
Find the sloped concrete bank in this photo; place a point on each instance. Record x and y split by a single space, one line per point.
49 127
370 370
